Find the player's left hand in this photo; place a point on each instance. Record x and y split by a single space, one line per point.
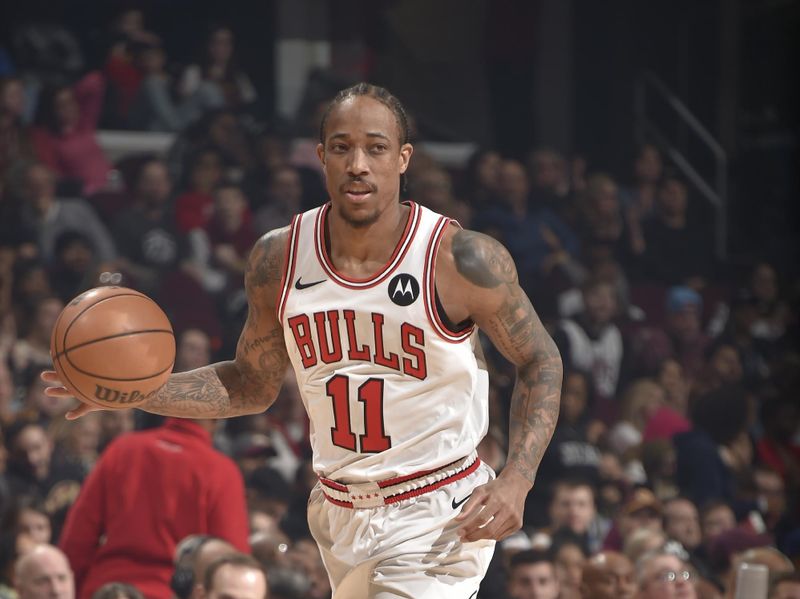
494 511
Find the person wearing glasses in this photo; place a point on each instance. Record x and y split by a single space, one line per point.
665 576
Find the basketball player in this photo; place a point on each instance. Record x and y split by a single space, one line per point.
376 302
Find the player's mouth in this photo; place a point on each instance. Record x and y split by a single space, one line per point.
358 192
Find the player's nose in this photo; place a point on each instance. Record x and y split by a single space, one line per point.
357 164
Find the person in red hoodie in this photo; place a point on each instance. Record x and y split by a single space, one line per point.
149 490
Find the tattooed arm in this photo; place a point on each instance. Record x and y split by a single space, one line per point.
477 279
249 383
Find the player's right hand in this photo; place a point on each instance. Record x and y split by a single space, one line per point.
59 390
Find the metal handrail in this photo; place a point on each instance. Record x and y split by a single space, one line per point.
715 191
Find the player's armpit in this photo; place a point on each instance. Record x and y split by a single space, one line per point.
249 383
499 306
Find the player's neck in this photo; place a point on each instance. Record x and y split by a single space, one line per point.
350 246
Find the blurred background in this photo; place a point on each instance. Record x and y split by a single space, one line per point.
638 159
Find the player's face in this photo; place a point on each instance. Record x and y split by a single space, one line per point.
362 159
534 581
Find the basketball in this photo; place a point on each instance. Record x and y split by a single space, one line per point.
113 347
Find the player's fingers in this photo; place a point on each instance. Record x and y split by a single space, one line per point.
50 376
81 410
481 529
58 392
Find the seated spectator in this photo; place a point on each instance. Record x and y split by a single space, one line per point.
573 508
76 265
195 206
569 557
236 575
643 541
677 250
592 343
723 367
639 198
481 181
433 188
49 217
672 379
65 137
44 572
663 575
117 590
149 242
707 460
192 488
15 141
37 403
608 575
640 401
193 554
31 351
230 232
32 520
604 233
550 184
641 511
773 313
532 575
219 68
682 523
282 200
785 586
78 441
779 448
153 108
657 458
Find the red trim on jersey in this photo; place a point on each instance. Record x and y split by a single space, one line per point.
429 287
401 479
432 487
399 253
289 263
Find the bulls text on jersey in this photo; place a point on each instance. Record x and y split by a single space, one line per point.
332 325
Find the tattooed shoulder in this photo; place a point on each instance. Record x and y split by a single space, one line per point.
265 265
481 260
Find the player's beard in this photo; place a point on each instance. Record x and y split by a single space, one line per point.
359 221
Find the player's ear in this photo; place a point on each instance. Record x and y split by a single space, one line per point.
405 156
321 153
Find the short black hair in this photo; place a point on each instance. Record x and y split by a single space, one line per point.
239 560
375 92
114 590
531 556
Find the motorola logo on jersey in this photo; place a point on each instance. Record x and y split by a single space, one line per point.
403 289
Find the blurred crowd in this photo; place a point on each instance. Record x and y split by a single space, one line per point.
677 453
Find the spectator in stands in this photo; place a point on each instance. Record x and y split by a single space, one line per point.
44 573
716 517
592 343
641 399
153 108
283 199
547 170
48 216
640 196
755 354
31 352
147 238
32 520
65 137
192 488
642 541
641 511
608 575
15 142
673 380
114 423
195 206
776 562
676 249
572 507
230 232
207 552
78 441
785 586
778 447
35 470
532 575
662 575
773 313
771 498
481 187
235 575
433 188
36 402
117 590
220 68
76 265
707 455
569 557
682 523
604 233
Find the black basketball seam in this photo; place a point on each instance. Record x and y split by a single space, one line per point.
85 343
108 378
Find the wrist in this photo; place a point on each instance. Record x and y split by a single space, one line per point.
513 474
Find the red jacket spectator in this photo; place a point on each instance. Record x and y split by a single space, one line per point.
148 491
66 141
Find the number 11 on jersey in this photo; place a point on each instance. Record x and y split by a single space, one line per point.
370 393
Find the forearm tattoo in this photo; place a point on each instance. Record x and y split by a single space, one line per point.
519 334
250 383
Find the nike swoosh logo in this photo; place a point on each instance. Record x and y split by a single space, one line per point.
458 503
298 285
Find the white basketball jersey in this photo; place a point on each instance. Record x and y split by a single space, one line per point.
390 390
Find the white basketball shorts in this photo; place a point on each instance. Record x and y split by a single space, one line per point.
406 549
